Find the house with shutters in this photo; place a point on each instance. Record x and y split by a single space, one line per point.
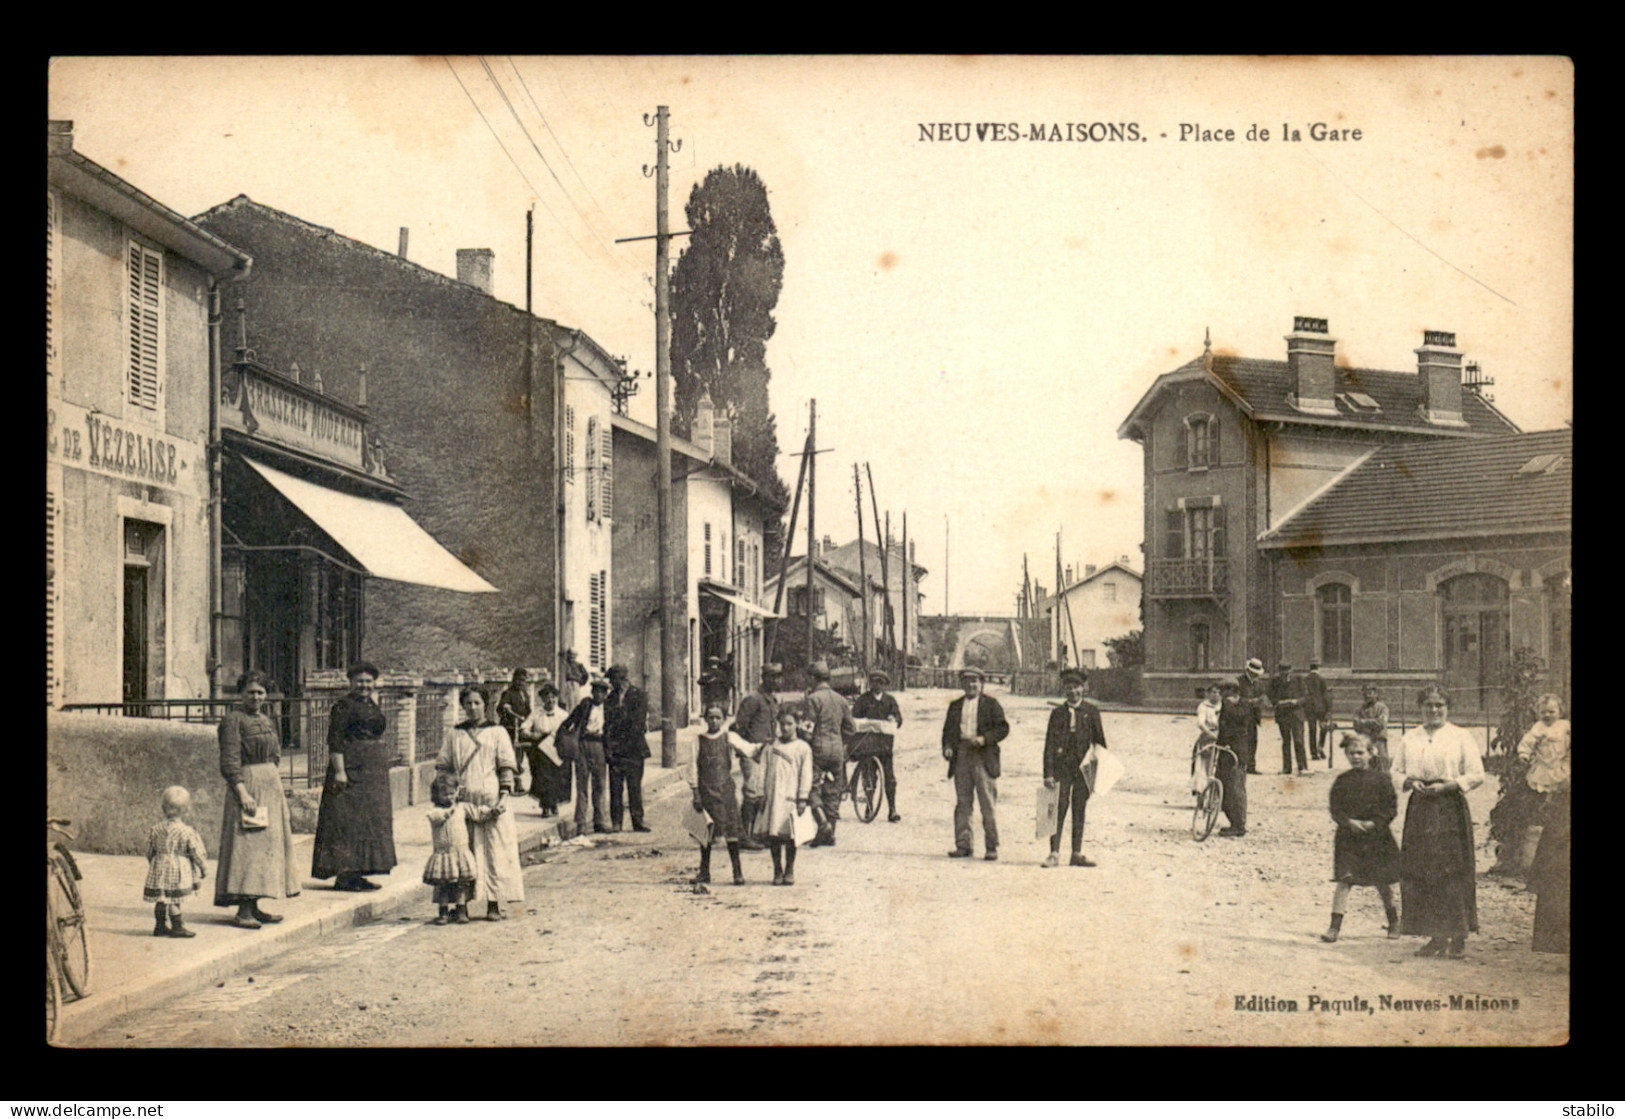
719 513
129 285
1233 446
1431 562
1101 603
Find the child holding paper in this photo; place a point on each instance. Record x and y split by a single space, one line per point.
710 780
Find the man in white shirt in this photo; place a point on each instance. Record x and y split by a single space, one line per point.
970 742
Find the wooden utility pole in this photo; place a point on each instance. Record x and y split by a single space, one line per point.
908 594
670 629
789 543
530 247
863 575
812 544
945 527
880 542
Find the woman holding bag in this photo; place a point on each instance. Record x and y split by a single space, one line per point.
549 768
481 755
255 862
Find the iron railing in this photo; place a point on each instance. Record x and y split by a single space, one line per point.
1188 577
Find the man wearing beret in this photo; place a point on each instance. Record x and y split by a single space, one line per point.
970 742
832 726
876 704
1074 728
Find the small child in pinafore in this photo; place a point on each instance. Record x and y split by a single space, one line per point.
450 869
175 864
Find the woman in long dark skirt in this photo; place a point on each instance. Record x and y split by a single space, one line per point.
1549 874
355 830
1437 872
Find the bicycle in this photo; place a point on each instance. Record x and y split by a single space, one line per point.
66 933
867 787
53 995
1210 799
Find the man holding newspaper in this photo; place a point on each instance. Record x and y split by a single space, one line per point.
1070 759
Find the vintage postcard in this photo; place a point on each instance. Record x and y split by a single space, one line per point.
1085 429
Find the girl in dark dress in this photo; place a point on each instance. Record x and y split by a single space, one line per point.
710 780
355 831
1364 853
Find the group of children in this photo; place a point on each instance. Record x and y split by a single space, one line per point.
787 779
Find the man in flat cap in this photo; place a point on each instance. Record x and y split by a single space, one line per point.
1074 729
970 742
587 725
1286 696
877 704
756 721
832 725
1251 686
626 722
1317 709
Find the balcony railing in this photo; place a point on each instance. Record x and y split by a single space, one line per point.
1189 578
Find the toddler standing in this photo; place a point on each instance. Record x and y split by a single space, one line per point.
175 864
450 869
1364 854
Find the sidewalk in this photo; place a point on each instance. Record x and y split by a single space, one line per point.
132 970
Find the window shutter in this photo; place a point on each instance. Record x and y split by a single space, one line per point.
1218 531
50 282
1182 448
1213 441
569 463
708 548
606 458
591 468
50 598
1173 535
146 292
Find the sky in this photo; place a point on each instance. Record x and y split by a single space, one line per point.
974 317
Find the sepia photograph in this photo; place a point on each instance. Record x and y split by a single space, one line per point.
808 551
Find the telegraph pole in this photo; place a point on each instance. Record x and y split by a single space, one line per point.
670 629
812 544
863 574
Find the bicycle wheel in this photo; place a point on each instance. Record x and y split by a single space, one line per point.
67 919
866 789
53 996
1207 809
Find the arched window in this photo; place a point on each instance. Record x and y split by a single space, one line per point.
1199 449
1334 610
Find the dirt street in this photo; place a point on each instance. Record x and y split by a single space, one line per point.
885 940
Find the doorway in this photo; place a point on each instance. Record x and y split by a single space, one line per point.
1477 640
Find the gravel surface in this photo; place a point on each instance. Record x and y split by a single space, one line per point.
885 940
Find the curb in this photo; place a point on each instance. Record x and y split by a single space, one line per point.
82 1017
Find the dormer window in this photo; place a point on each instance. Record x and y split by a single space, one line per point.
1359 403
1541 464
1200 447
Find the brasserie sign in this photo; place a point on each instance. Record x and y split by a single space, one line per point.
268 407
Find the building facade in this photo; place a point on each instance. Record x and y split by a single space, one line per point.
900 579
495 421
129 375
1432 563
720 515
1103 604
1232 446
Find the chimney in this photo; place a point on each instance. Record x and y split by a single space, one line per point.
1438 364
474 267
1088 570
1309 352
402 252
829 546
58 137
703 432
722 437
1068 581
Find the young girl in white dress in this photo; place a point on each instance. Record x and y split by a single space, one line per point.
450 869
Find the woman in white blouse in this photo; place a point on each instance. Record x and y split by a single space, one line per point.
1441 764
481 755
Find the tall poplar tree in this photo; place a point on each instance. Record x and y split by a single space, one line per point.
723 291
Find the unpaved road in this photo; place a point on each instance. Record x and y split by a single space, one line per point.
885 940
